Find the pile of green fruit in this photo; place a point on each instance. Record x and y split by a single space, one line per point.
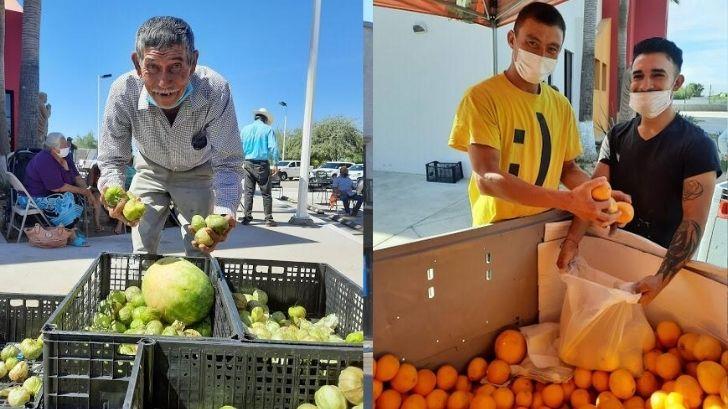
200 226
14 363
349 391
252 305
133 208
125 312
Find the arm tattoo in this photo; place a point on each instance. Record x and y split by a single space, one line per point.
692 190
683 245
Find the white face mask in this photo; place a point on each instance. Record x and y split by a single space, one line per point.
651 103
64 152
532 67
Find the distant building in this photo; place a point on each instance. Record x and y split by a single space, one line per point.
13 31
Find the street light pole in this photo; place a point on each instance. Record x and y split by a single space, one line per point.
301 216
285 124
98 104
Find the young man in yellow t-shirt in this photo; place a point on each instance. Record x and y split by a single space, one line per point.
521 135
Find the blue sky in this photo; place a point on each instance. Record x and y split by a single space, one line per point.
261 48
700 29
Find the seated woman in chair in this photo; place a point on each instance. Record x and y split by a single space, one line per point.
51 172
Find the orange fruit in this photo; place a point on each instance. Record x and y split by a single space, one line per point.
510 346
374 366
524 398
602 192
587 406
607 400
724 359
582 378
426 381
668 332
580 397
482 402
686 345
376 388
713 402
635 402
709 375
707 348
724 389
521 384
622 384
447 377
627 212
498 372
458 400
667 366
568 388
477 368
675 352
650 360
537 400
503 398
553 395
414 402
436 399
405 379
600 381
647 384
486 389
463 384
387 367
389 399
668 386
689 388
540 386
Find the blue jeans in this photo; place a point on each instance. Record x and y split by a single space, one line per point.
359 199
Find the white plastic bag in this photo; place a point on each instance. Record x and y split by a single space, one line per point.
603 326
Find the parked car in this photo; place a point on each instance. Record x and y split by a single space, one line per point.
356 171
289 169
331 167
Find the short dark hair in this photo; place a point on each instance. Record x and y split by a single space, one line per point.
543 13
659 45
261 117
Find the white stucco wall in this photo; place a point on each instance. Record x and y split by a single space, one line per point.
418 82
420 78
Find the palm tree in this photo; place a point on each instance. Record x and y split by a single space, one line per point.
4 140
586 100
623 75
29 75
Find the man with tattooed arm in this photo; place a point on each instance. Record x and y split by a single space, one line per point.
666 164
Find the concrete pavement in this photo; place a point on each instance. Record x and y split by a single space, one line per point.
27 269
407 208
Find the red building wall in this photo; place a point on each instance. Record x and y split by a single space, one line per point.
647 18
13 36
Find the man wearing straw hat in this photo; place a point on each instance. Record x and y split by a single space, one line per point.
260 149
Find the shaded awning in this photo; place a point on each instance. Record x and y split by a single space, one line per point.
490 13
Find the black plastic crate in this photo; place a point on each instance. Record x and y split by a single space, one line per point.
444 172
23 315
317 287
80 366
36 368
172 374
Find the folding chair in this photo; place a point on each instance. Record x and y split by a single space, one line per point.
31 208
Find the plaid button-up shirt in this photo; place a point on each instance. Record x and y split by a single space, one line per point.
208 113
